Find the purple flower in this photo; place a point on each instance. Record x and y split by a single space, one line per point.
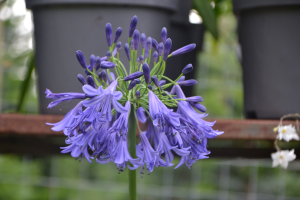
198 106
160 48
143 40
184 50
168 45
108 31
117 34
93 61
146 71
80 58
103 99
141 115
142 59
161 82
60 97
119 46
134 75
131 85
187 69
149 87
107 65
190 82
154 44
163 117
133 24
149 43
81 79
126 48
138 94
154 80
91 81
136 38
137 81
103 76
155 56
108 55
194 99
164 35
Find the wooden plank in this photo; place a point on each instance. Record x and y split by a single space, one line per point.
235 129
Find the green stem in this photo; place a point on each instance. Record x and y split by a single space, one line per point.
132 150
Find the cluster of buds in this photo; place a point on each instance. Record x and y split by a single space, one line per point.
97 127
287 133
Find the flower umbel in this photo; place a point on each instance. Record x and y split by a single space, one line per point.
97 127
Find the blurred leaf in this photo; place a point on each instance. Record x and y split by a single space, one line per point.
25 84
207 13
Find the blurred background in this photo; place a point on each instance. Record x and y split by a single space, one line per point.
219 75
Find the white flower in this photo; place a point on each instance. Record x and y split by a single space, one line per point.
287 133
282 158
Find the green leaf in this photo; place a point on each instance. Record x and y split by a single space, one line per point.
207 13
25 84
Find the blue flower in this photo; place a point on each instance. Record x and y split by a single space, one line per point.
60 97
103 99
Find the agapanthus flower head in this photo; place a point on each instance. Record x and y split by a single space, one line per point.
81 79
108 31
133 24
97 127
117 34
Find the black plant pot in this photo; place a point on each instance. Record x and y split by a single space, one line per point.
65 26
269 36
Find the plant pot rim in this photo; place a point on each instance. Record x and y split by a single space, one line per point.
239 5
162 4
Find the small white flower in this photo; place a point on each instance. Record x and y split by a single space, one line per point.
287 133
282 158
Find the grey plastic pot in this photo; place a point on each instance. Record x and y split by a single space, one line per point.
269 36
65 26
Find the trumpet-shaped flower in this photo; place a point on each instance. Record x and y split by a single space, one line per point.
283 158
287 133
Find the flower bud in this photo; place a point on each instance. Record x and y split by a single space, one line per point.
155 56
81 79
154 44
126 48
143 40
98 61
136 39
194 99
132 26
108 55
146 52
146 71
107 65
149 43
164 35
160 48
134 75
137 94
119 46
137 81
90 81
154 80
80 58
198 106
183 50
190 82
117 34
108 31
92 62
187 69
142 59
103 76
141 115
149 87
167 49
131 84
